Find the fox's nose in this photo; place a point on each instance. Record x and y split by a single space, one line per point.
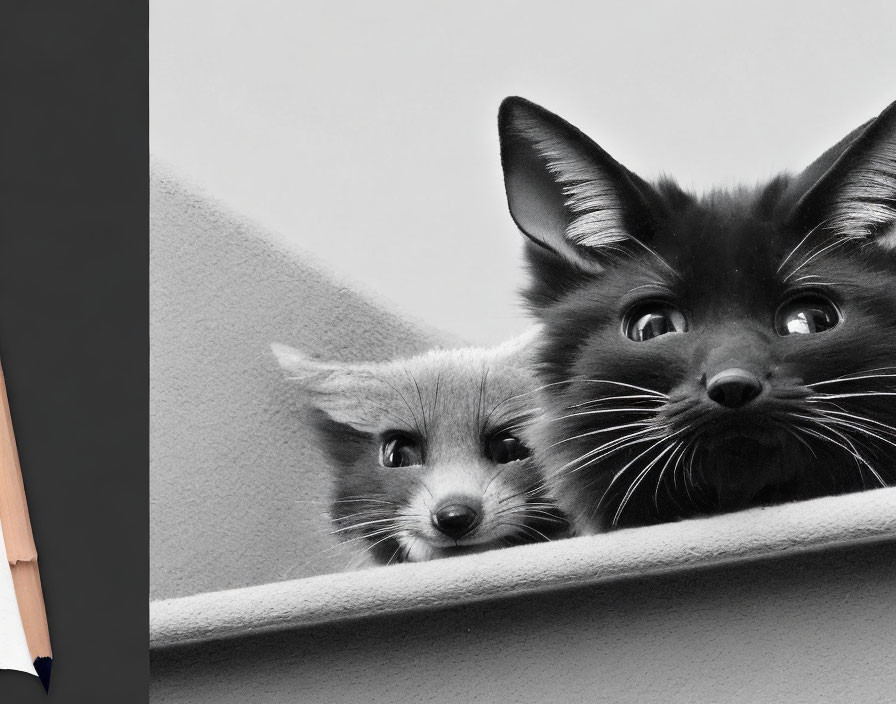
733 388
456 520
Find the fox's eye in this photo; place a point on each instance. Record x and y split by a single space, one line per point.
504 447
649 320
806 315
401 451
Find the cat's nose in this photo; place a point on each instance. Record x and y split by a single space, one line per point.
456 520
733 388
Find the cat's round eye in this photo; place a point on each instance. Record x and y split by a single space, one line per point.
401 451
806 315
504 447
649 320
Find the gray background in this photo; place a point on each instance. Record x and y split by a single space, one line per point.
238 486
365 132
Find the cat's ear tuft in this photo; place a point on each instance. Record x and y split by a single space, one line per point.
565 193
855 197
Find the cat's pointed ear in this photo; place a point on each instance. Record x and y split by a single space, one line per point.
565 193
340 390
854 198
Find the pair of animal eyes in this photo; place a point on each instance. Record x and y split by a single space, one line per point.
406 451
802 315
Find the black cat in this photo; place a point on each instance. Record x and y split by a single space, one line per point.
707 353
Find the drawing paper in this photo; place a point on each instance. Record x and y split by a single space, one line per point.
14 653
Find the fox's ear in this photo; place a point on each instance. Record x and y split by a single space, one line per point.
854 198
300 367
342 391
565 193
520 351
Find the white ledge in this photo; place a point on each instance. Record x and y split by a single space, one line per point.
750 535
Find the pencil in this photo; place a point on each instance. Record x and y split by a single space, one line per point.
20 550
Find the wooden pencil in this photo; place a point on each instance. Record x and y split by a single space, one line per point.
20 550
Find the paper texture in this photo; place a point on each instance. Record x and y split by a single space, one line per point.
14 653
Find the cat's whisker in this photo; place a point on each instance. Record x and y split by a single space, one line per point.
427 490
607 445
389 412
844 380
817 252
653 392
620 472
395 554
637 482
497 474
363 500
798 245
409 373
681 462
652 284
647 425
374 533
539 389
482 382
407 405
858 418
821 436
859 456
344 542
659 479
686 446
541 503
532 513
857 394
535 490
527 504
601 412
851 450
371 513
688 476
855 426
658 257
604 455
863 371
392 536
356 526
525 527
794 432
626 397
547 516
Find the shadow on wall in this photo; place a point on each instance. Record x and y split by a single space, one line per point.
238 490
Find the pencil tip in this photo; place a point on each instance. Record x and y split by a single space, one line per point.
42 667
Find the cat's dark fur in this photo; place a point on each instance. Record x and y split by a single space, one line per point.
631 432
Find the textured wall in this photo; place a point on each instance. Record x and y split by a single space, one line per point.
238 489
803 629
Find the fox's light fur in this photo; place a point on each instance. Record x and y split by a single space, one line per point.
452 401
